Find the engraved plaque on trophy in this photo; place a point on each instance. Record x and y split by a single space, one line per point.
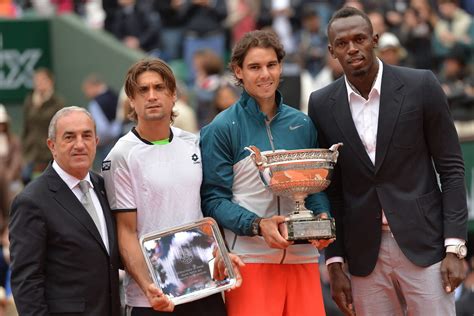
296 174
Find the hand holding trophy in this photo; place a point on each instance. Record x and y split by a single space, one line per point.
296 174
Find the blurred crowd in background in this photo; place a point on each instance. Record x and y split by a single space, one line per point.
428 34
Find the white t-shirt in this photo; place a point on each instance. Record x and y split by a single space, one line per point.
162 182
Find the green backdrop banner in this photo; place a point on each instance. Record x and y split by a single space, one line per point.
24 46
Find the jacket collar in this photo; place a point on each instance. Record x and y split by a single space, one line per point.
251 105
391 100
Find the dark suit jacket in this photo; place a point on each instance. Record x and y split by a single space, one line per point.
60 265
415 136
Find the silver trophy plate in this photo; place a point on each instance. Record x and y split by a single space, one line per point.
181 260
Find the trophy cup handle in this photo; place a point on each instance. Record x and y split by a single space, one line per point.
335 153
335 147
257 157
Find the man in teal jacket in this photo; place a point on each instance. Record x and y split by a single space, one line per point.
278 276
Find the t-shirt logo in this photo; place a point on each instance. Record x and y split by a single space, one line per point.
195 158
106 165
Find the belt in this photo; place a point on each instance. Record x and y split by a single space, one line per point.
385 227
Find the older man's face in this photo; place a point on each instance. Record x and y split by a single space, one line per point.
75 143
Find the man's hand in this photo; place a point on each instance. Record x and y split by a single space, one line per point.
220 270
322 243
158 300
341 291
452 272
270 230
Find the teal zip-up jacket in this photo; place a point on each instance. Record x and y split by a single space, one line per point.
232 192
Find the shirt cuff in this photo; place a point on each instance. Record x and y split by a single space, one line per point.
334 260
454 242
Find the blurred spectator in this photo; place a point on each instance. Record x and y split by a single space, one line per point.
330 72
8 9
109 7
204 29
186 117
93 14
311 43
226 95
454 26
394 14
378 22
65 6
209 70
43 7
324 9
389 49
282 12
354 4
103 108
416 33
136 26
458 84
39 107
123 111
171 32
10 165
242 18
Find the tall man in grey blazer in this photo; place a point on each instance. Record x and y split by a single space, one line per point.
63 261
401 234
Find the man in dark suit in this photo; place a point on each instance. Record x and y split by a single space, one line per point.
63 261
401 235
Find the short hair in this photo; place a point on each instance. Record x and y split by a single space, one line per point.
346 12
63 112
48 73
94 79
148 64
212 63
259 38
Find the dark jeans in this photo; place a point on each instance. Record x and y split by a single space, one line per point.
209 306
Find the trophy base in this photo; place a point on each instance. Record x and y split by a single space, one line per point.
302 229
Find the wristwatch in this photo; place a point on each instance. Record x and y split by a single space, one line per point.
256 226
459 250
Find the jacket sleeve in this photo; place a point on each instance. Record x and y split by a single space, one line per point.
218 175
443 144
334 191
27 233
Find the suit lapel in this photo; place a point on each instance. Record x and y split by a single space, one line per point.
343 117
71 204
391 98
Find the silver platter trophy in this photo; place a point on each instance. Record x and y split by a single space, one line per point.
296 174
181 260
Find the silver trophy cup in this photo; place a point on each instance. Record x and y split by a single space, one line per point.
296 174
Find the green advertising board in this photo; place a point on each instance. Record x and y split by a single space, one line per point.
24 46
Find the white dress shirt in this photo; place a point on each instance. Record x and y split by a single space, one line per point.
365 113
73 184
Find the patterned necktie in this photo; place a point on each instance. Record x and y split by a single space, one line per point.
88 204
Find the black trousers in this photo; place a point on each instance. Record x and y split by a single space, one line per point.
209 306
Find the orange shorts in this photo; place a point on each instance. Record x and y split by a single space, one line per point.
277 290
